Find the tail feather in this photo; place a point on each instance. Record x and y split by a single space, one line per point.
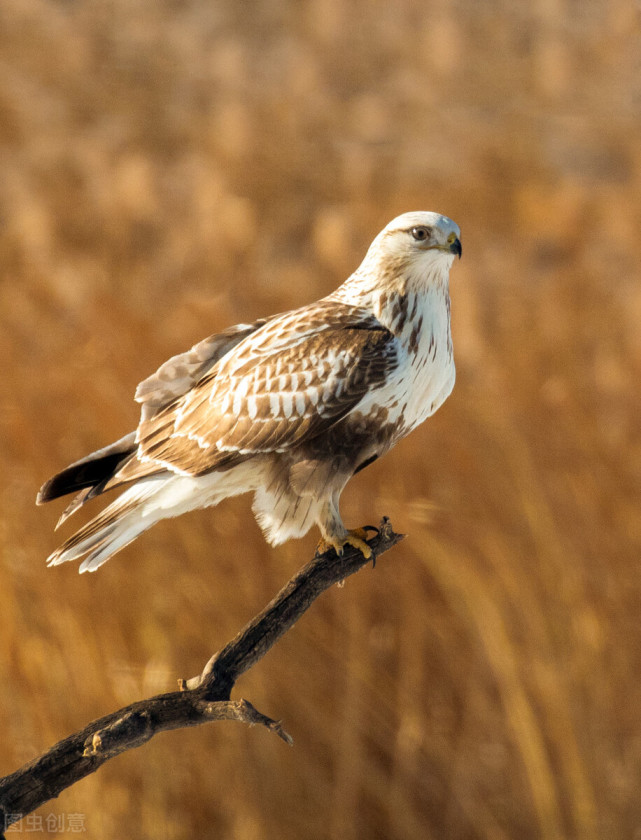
114 528
92 472
76 503
144 503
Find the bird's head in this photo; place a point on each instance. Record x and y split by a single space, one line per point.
418 243
415 248
421 232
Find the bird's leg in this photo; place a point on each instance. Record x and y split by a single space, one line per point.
335 535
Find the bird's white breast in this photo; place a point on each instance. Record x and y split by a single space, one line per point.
425 374
431 369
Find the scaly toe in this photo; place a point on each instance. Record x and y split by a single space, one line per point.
357 539
326 544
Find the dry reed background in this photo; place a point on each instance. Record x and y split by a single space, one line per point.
169 168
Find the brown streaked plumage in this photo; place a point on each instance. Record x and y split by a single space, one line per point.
289 407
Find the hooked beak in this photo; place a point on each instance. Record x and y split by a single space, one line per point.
456 247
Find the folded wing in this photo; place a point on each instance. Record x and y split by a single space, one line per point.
285 383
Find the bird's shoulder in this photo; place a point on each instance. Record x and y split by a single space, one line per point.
292 351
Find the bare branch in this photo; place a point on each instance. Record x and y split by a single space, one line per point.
253 642
202 699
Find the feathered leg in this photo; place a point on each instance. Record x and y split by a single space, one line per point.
334 533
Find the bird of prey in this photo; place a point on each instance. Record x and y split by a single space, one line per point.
288 408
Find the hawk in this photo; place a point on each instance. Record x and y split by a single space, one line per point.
288 408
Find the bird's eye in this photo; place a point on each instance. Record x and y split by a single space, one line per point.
421 233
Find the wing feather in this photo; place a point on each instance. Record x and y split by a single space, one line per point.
178 375
282 384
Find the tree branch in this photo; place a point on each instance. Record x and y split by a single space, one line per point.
200 699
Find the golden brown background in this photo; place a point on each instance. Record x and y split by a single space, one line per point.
168 168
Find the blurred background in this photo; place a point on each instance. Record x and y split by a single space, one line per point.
171 167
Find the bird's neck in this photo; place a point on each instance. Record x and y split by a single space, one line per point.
394 297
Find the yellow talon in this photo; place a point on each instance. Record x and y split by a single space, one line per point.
355 538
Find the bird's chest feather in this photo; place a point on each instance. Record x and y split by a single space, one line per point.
424 377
